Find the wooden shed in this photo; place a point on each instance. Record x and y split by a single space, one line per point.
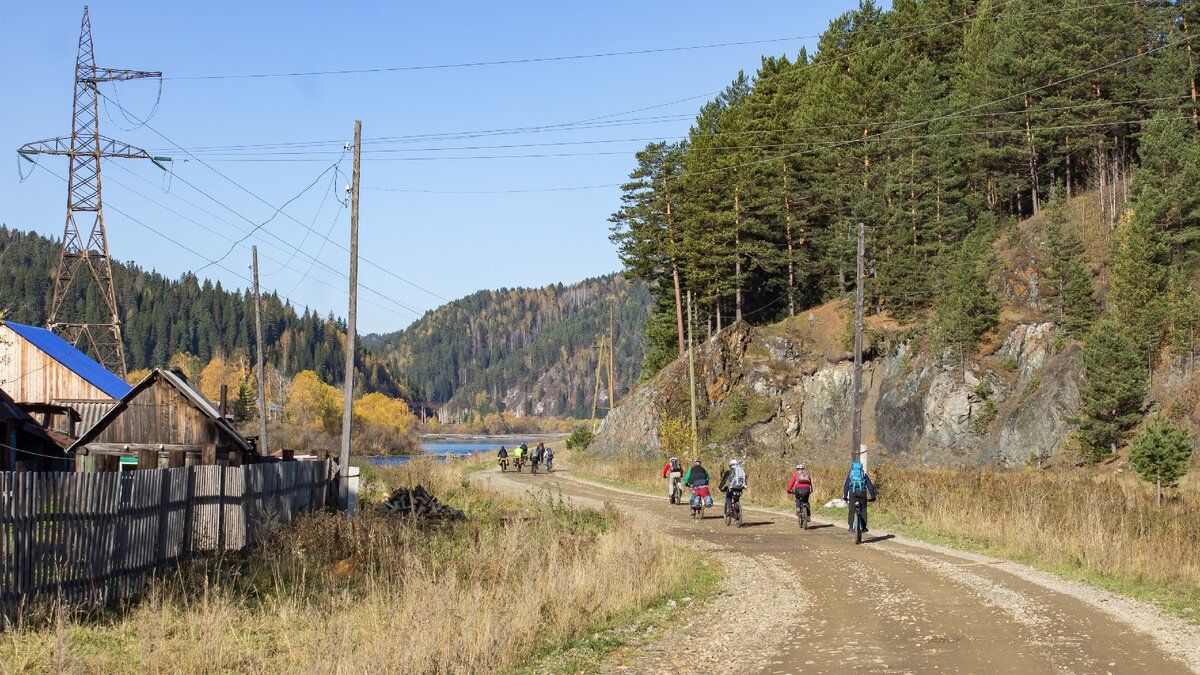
27 446
162 422
37 366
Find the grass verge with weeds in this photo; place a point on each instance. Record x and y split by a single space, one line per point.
508 588
1101 528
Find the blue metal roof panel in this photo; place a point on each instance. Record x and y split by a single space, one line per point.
76 361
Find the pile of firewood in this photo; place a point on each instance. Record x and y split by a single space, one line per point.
418 503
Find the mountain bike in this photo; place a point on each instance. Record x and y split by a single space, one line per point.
503 464
675 493
699 496
803 515
519 462
533 468
733 510
860 520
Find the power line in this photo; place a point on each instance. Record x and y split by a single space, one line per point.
287 215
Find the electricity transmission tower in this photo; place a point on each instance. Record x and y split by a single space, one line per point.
84 257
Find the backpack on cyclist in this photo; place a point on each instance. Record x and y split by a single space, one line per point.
737 477
676 466
858 479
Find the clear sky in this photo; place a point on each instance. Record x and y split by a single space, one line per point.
458 162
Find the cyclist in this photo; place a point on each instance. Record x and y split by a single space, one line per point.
801 487
502 457
672 470
733 481
518 454
855 491
535 457
697 480
549 454
697 476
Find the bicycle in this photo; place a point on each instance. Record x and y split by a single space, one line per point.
533 468
803 511
733 509
860 520
549 465
675 492
519 462
699 496
503 464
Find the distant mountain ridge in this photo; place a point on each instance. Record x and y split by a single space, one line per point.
522 351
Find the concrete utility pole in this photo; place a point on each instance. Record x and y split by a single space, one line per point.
692 375
345 497
258 343
856 424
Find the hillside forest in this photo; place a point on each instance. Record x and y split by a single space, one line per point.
939 124
522 352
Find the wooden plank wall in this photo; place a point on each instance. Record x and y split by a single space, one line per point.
94 538
29 374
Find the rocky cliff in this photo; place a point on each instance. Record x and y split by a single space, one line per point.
786 389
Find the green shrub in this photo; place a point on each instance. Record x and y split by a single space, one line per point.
580 438
738 407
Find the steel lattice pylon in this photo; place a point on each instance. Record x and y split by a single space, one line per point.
85 250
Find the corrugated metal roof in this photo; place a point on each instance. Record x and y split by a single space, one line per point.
78 362
90 412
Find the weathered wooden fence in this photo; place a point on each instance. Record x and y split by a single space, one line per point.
91 538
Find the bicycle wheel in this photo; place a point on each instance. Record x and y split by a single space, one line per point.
727 518
737 514
858 527
804 516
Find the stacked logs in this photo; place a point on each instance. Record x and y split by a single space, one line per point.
418 503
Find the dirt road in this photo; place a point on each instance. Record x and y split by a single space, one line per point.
811 601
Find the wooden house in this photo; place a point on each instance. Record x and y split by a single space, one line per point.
162 422
37 366
27 446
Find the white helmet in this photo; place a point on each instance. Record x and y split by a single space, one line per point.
800 465
733 462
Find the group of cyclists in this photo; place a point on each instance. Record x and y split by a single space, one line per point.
857 490
521 454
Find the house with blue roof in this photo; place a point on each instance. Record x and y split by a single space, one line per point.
37 366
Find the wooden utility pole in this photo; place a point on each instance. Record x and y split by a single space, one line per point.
596 393
856 424
612 398
691 374
262 381
351 328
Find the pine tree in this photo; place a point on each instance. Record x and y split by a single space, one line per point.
1161 453
1183 320
968 307
1067 279
1114 389
1138 282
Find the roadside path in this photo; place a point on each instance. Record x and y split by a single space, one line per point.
807 602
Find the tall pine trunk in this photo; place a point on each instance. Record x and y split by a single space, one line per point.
737 254
787 217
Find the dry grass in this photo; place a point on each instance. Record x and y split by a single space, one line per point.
1093 525
332 594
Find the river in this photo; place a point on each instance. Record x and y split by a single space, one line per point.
445 446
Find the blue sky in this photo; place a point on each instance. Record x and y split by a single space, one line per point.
444 211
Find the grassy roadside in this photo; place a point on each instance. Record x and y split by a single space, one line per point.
1100 528
522 582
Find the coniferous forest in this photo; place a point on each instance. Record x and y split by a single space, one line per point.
936 124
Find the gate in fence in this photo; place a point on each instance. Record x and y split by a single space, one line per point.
93 538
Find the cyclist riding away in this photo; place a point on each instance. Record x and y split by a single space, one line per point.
697 480
672 470
855 491
733 481
801 487
549 455
502 458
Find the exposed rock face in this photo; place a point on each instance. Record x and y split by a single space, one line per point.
917 411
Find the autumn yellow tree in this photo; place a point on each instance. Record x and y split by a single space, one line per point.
187 363
313 405
220 372
391 414
135 376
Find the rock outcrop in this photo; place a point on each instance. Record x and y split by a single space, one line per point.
919 409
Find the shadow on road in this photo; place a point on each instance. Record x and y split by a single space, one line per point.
820 527
884 537
758 522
